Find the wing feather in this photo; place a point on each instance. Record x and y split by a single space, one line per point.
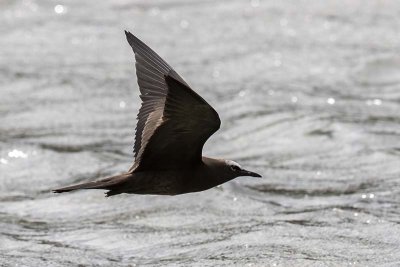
174 122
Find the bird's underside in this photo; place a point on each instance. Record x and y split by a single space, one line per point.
174 122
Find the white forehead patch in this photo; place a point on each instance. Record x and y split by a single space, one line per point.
231 162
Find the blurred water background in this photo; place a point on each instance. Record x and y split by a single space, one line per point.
309 96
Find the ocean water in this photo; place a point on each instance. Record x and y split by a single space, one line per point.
308 94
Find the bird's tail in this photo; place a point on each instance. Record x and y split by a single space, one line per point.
106 183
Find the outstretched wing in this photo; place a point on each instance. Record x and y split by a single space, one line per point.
150 72
173 122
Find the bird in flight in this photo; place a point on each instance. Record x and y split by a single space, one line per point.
174 122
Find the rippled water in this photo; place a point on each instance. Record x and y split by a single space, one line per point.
309 96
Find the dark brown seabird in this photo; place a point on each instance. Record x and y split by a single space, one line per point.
174 122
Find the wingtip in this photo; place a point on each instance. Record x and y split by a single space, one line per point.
168 79
56 191
128 34
171 80
132 39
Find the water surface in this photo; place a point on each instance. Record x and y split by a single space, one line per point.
309 96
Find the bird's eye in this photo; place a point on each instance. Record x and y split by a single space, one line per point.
235 168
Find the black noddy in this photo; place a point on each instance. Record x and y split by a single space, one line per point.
174 122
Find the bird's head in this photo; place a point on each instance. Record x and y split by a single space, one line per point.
235 170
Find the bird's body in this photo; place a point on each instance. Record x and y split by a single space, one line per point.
174 122
197 178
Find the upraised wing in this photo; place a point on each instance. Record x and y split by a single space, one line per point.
173 122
